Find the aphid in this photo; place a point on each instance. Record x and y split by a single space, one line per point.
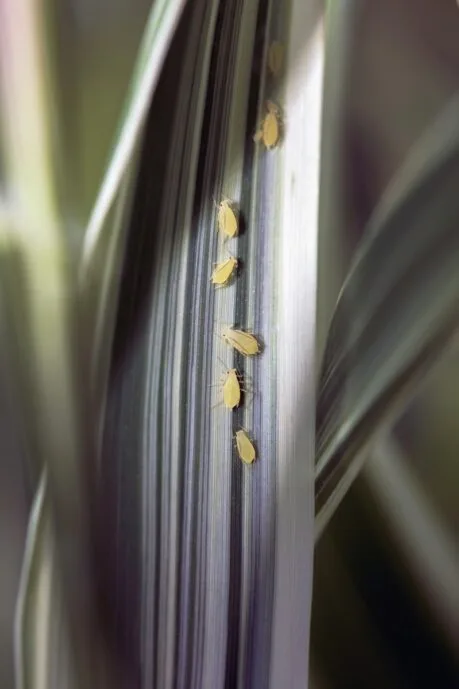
245 343
223 271
231 389
245 448
270 129
227 219
275 58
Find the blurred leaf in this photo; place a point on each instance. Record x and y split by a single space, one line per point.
162 21
397 311
430 552
39 289
37 610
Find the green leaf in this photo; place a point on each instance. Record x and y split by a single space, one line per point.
397 312
162 21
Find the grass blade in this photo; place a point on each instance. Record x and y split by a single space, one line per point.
224 551
164 15
397 311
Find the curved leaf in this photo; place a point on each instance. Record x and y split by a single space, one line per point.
398 309
161 24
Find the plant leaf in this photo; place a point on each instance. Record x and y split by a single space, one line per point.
397 312
223 552
162 21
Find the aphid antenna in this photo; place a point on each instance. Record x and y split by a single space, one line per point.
225 366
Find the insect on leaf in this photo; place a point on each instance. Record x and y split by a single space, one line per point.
245 448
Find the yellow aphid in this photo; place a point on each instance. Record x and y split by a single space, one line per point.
224 271
244 342
275 58
231 390
245 448
270 129
227 219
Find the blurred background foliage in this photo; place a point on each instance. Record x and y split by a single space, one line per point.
376 618
97 45
93 48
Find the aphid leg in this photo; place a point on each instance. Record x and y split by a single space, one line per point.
219 384
226 367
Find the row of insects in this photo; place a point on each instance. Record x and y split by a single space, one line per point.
269 135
